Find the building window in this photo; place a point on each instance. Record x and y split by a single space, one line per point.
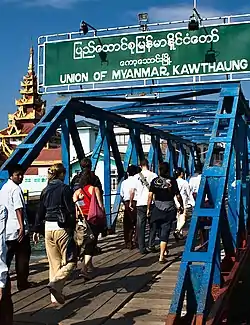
145 139
114 184
122 139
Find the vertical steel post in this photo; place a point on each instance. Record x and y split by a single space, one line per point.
65 150
107 171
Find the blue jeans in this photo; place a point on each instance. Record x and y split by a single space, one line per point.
141 228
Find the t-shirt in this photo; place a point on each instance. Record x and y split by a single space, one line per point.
194 183
141 190
185 192
164 189
3 247
126 188
11 196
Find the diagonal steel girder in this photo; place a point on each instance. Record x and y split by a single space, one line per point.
90 111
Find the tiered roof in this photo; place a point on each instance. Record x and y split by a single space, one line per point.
30 109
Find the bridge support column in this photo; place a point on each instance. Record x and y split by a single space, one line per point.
200 277
65 150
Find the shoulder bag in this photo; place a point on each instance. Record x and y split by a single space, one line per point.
96 215
144 181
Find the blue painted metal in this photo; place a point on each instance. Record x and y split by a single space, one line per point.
65 150
171 157
38 137
225 119
191 163
75 137
228 225
97 150
152 89
107 170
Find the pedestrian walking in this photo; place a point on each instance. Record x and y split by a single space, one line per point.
130 212
139 194
58 211
6 305
17 230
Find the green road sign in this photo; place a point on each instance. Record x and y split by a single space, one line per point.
223 49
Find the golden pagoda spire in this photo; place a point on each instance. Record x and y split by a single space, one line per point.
31 67
30 105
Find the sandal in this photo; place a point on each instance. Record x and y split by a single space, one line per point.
85 275
166 253
163 261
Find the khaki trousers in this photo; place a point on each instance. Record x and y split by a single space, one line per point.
56 243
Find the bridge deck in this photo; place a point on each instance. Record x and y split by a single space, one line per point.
127 287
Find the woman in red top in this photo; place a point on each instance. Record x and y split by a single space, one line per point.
83 198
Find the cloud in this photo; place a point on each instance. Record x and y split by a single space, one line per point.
180 12
58 4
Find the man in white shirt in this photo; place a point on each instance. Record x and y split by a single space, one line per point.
140 193
188 202
129 218
194 182
6 305
17 235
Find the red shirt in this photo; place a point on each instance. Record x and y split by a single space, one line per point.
85 203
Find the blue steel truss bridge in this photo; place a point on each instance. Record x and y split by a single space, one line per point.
184 115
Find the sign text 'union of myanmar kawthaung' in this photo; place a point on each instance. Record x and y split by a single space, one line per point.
148 55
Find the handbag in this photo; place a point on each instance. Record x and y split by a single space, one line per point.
83 233
96 215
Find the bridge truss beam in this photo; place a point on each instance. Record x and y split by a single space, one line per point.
222 209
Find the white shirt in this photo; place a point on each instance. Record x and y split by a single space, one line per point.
185 192
126 188
51 226
194 183
11 196
141 191
3 247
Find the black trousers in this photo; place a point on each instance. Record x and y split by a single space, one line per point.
129 224
22 252
90 248
141 228
6 306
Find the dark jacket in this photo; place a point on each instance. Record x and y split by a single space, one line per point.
75 183
55 198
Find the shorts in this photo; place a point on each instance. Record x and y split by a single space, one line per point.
163 226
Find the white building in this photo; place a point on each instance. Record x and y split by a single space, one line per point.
87 132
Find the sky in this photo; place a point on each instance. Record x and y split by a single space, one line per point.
23 21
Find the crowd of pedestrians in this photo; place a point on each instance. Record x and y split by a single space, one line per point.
162 202
71 218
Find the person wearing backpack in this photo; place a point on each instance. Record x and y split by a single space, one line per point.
89 200
6 305
139 193
58 211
